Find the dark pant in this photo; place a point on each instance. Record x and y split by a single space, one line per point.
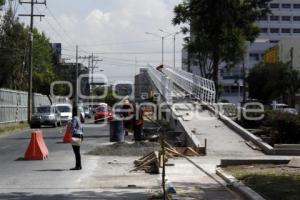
138 132
76 150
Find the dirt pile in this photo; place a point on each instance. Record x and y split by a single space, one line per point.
126 149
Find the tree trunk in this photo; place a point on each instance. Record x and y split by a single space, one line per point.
216 59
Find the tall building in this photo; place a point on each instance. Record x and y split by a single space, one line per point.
56 48
283 23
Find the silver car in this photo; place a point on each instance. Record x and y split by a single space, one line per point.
45 115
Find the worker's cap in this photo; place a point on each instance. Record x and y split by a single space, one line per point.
125 101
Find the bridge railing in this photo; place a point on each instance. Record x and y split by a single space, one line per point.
203 89
163 83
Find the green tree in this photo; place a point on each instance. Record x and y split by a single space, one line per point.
269 82
43 64
219 30
13 39
14 56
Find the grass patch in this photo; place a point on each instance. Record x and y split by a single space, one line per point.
11 127
273 182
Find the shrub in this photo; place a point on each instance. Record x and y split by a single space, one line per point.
287 125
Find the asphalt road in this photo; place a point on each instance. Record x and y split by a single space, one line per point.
52 179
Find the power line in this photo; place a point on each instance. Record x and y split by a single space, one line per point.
118 43
127 53
59 24
56 32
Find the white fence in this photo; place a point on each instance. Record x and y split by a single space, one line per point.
13 105
203 89
162 83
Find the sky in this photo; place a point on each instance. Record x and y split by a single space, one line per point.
114 30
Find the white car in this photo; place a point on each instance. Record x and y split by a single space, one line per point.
285 108
65 110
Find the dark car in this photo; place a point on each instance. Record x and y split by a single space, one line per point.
45 115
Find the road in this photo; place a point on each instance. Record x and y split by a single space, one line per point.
52 179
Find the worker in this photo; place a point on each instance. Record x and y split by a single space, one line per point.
127 112
138 121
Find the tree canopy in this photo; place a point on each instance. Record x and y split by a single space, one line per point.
219 30
14 47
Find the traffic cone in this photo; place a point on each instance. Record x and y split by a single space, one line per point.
37 149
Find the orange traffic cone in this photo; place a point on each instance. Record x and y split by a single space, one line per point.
37 149
68 135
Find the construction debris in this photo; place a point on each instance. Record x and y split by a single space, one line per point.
148 163
151 162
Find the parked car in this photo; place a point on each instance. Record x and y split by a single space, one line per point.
65 110
291 111
102 113
284 108
45 115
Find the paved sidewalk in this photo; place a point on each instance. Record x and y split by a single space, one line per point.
192 183
199 180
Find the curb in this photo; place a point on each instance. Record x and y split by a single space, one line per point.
230 162
238 186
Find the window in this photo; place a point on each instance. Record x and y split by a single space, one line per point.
274 30
296 18
286 30
286 18
285 5
264 30
297 5
274 18
296 30
274 41
275 5
254 56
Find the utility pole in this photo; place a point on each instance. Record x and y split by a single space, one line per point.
94 59
91 65
76 78
30 103
162 49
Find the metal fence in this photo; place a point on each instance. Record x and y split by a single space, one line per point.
162 83
203 89
13 105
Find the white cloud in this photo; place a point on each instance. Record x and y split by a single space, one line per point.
98 17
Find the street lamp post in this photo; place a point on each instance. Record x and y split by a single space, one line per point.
174 44
162 43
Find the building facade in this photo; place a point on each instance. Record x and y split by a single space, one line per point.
282 24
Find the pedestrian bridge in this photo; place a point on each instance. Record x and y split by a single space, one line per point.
175 84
